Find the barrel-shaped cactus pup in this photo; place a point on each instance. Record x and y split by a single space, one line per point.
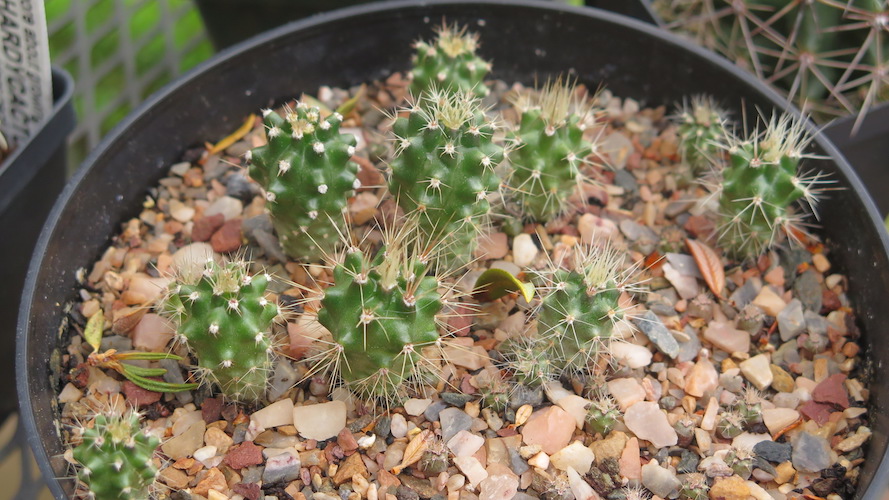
449 62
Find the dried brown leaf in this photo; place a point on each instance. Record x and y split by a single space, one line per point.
414 450
710 265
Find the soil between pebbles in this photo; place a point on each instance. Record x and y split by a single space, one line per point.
785 329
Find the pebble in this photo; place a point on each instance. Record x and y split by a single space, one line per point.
630 464
472 469
630 355
229 207
453 421
189 260
626 391
647 421
576 456
228 237
204 227
239 187
152 333
501 484
659 335
472 358
415 407
791 321
748 440
659 480
769 301
575 406
686 286
269 242
353 465
283 467
465 444
274 415
579 487
180 211
492 246
746 293
724 336
610 447
550 427
773 452
524 251
364 207
831 391
594 228
320 421
218 439
185 444
729 488
283 378
757 371
810 453
702 379
781 380
776 419
138 396
808 290
398 426
854 441
618 148
243 455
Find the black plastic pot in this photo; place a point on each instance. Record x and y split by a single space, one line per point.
527 41
231 21
30 180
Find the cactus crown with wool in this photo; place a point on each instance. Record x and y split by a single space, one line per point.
224 318
307 177
450 63
761 184
579 312
443 169
701 129
115 458
381 313
547 166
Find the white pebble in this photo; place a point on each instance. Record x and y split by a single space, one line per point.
523 250
575 456
229 207
757 371
320 421
415 407
465 444
274 415
647 421
630 355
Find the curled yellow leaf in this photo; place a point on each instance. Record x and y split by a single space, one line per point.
414 450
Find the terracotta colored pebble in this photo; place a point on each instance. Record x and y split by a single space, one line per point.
205 227
138 396
461 321
211 410
831 391
346 441
243 455
228 237
250 491
818 412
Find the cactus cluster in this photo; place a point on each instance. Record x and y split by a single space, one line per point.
307 177
224 318
551 151
115 458
443 167
829 56
449 63
702 127
381 313
760 186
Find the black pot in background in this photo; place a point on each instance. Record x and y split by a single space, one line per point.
231 21
526 40
30 179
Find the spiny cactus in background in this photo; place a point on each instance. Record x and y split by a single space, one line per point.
702 127
578 314
603 414
530 360
443 169
548 164
450 63
829 56
381 313
115 458
760 185
307 177
224 319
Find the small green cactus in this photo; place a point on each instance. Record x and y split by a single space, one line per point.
740 460
603 414
702 126
450 63
224 318
443 169
761 184
529 360
551 151
730 425
434 460
749 407
694 487
307 177
115 458
578 314
381 314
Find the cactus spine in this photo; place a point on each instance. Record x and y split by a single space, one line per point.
761 184
449 63
701 129
443 168
307 176
115 458
381 314
547 166
224 318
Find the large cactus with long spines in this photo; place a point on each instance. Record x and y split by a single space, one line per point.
115 458
761 184
449 62
579 312
381 313
551 151
307 177
224 318
443 169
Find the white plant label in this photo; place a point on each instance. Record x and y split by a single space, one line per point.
25 76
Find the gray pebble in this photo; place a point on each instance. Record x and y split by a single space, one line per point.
238 186
433 410
453 420
745 295
282 379
174 376
655 330
807 289
456 399
791 321
810 453
269 242
773 452
524 395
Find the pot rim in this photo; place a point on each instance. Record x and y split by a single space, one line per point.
880 479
